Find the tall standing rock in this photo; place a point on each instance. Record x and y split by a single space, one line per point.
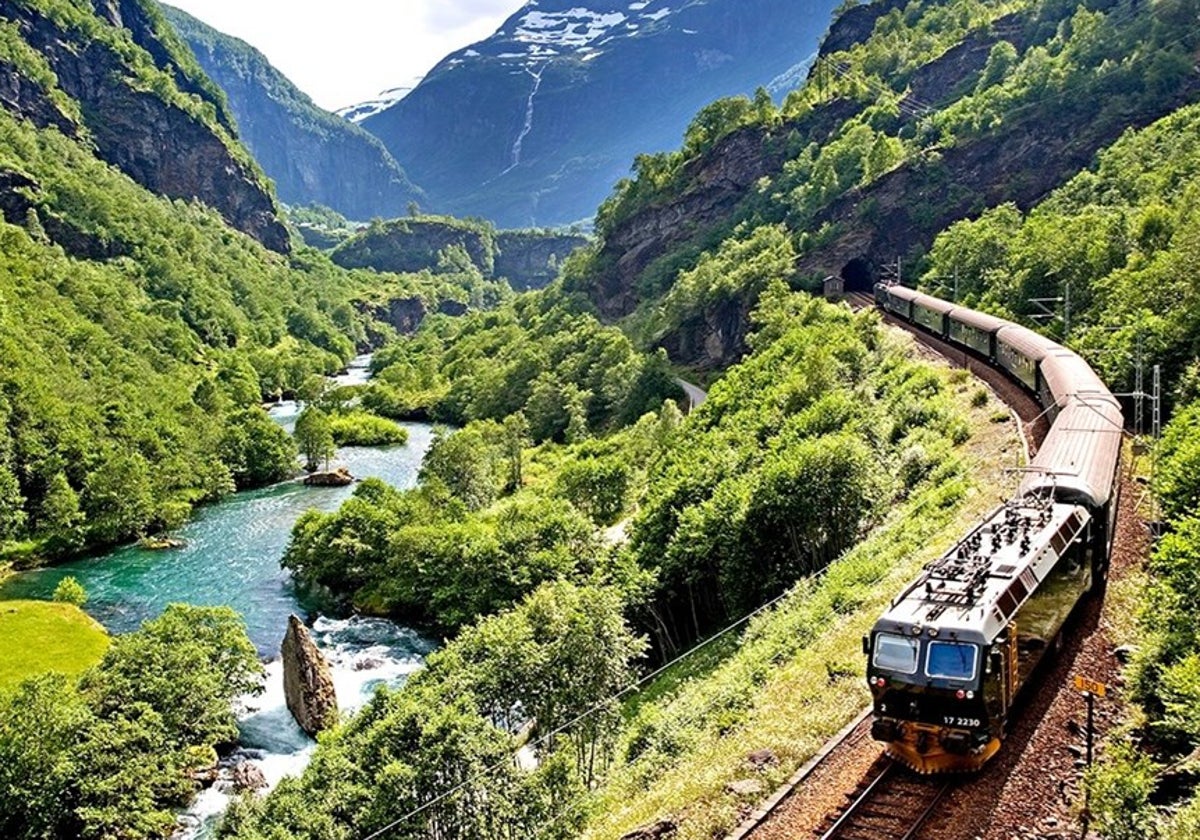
307 683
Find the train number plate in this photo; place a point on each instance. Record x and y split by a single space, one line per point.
950 720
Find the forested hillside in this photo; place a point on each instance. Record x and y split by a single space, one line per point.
498 544
120 81
911 119
139 332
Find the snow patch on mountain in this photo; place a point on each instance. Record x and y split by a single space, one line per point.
358 113
577 27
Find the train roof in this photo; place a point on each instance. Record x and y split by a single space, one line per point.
902 292
1078 459
1067 374
978 320
971 593
1028 343
935 304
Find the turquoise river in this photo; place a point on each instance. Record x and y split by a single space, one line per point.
231 557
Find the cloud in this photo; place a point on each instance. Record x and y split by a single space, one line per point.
455 15
348 56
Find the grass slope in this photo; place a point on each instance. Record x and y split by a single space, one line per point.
42 636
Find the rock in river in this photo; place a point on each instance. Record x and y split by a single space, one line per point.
330 478
307 682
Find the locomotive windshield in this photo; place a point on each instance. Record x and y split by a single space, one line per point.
951 660
895 653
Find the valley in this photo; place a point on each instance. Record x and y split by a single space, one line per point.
568 593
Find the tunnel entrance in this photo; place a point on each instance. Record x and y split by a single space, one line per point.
858 275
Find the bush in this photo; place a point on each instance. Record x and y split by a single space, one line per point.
70 591
361 428
1120 787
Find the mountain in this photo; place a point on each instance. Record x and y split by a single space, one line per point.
313 156
907 125
121 79
534 125
146 307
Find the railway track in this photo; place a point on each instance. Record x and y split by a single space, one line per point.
894 803
859 300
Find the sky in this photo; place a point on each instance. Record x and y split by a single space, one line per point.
350 55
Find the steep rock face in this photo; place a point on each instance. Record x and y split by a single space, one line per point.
535 124
149 135
307 683
29 100
717 183
312 155
713 340
855 25
529 259
1021 165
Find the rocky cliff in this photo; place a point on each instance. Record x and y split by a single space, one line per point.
307 682
531 259
146 108
312 155
534 125
528 259
1018 159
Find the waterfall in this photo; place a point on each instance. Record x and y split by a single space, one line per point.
525 129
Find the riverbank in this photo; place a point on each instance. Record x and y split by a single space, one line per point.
43 636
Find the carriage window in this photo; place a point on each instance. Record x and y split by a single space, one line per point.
951 660
895 653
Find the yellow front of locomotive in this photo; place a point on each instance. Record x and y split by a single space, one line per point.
938 703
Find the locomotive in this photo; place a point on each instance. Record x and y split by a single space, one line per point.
947 661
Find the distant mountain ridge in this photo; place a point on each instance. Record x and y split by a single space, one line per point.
534 125
313 156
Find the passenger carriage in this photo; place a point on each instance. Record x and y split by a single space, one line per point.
949 658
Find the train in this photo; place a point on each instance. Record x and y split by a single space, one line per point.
949 658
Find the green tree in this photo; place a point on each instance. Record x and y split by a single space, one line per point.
1001 59
40 725
314 437
466 463
575 403
12 505
188 665
1177 476
597 486
257 449
516 438
59 515
70 591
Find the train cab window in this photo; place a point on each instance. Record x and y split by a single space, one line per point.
951 660
895 653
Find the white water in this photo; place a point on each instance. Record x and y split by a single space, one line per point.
528 127
363 653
